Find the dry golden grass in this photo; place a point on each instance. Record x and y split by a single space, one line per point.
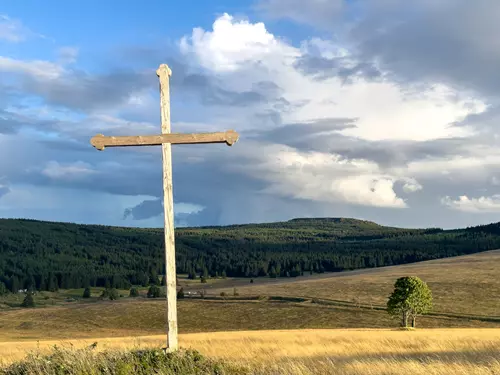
147 317
464 285
439 351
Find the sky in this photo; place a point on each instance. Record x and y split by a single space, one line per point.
382 110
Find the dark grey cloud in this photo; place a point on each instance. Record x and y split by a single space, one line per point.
303 135
212 94
323 136
84 92
487 121
210 90
323 12
451 41
11 123
454 42
323 68
144 210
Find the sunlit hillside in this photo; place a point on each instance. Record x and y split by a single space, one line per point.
463 285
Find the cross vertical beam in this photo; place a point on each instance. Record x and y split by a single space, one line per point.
166 139
164 74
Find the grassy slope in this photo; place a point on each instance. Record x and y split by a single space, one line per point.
123 318
348 352
299 352
470 280
464 285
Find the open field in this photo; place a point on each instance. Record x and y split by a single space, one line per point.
351 352
327 332
469 280
147 317
463 285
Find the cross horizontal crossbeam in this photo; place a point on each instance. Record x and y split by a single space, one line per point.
100 141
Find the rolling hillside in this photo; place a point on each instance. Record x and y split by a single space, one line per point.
288 335
465 294
463 285
50 255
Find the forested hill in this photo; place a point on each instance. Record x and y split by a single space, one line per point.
60 255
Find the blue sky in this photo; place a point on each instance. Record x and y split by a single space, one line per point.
365 109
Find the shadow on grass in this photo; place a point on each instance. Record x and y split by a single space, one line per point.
480 357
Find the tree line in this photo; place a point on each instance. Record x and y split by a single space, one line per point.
50 256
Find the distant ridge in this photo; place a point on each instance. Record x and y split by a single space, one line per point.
333 220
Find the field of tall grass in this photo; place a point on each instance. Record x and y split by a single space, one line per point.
291 352
340 327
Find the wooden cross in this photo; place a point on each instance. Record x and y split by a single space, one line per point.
166 139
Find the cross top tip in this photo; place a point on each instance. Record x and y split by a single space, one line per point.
164 69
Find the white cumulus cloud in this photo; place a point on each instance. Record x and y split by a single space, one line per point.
473 205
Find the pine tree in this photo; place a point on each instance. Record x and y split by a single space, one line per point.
28 300
3 289
272 273
144 279
153 278
14 284
154 292
110 293
43 282
86 293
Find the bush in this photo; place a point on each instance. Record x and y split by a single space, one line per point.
180 293
28 301
86 293
155 291
133 292
111 294
203 280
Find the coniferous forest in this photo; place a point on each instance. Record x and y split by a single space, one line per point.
48 256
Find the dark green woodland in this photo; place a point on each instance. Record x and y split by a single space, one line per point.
47 256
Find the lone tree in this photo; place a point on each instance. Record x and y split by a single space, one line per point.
133 292
411 297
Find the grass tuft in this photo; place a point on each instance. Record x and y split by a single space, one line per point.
66 361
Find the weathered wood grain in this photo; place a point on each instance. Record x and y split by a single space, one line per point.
100 141
164 74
